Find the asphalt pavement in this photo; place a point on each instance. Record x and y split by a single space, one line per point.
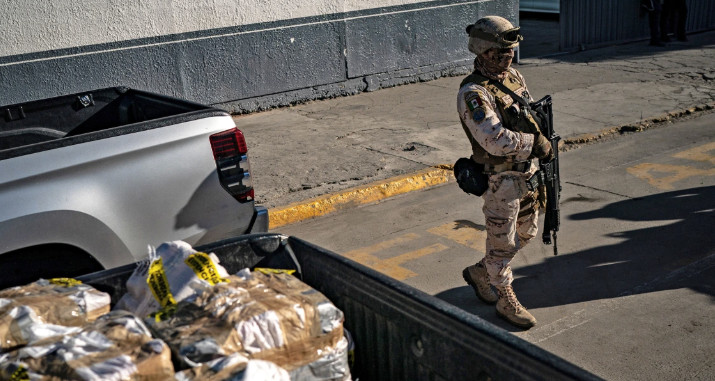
630 295
314 158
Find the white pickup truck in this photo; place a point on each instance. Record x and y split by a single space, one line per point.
88 180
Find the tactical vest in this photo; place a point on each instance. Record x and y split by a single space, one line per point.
511 120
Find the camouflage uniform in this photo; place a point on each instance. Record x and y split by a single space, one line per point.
504 139
509 207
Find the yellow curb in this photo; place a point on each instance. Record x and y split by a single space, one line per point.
366 194
432 176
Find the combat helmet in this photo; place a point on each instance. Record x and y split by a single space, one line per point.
492 32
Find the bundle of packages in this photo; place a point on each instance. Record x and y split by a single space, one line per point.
116 346
47 308
273 317
169 275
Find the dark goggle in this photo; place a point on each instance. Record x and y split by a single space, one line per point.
507 37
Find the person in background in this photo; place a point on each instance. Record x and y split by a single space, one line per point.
655 21
672 20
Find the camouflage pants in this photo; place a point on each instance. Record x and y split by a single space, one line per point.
511 222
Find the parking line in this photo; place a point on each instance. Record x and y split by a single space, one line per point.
365 255
463 232
703 153
391 266
662 176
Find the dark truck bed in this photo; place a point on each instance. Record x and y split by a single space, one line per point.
400 333
67 119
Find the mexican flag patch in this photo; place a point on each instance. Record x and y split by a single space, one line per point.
474 102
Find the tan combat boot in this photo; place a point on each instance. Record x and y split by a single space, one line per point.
477 277
509 308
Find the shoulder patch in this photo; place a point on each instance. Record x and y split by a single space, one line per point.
479 114
474 100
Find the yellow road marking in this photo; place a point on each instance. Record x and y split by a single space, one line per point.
465 233
391 266
702 153
365 255
419 253
662 176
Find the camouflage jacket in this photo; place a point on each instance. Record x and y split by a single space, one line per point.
498 131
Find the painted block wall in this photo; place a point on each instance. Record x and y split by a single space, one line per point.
239 55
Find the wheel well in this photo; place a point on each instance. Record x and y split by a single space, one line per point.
29 264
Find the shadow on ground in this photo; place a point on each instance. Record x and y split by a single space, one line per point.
677 254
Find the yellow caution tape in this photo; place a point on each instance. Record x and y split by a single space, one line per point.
20 374
274 271
204 268
66 282
159 284
164 313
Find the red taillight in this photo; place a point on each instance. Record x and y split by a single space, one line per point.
244 197
234 173
228 143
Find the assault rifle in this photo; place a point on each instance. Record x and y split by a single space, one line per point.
549 169
543 114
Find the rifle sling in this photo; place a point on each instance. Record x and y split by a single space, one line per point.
514 96
524 103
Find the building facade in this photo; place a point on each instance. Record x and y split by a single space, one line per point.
242 55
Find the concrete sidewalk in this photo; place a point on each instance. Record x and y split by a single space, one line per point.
314 158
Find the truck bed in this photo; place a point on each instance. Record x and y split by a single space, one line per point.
400 333
68 119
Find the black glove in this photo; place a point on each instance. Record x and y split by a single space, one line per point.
542 148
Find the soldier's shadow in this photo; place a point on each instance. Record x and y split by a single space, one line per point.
676 254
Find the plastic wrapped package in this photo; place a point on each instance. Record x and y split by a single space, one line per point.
333 365
273 317
234 367
117 346
47 308
169 275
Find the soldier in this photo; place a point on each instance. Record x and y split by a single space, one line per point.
505 139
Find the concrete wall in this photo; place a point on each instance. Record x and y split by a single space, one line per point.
241 55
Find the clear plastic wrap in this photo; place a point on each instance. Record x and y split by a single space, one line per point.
116 346
333 365
273 317
234 367
181 309
47 308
